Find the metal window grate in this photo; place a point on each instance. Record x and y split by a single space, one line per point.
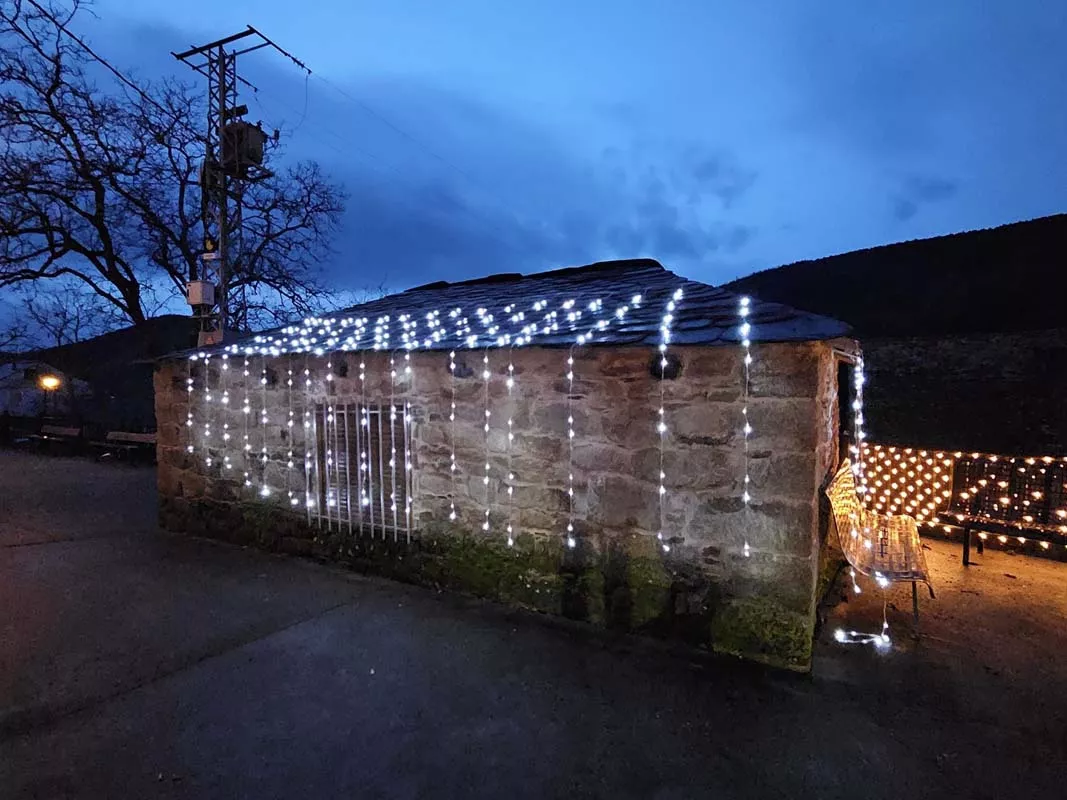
364 468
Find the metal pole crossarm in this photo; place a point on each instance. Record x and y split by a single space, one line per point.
249 31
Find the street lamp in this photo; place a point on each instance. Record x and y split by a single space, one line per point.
49 383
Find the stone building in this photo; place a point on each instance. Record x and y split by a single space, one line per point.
587 442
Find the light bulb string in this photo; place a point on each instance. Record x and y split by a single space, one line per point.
486 377
452 436
745 331
571 541
392 441
661 423
190 433
289 427
511 437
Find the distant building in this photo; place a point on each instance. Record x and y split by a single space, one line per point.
30 388
611 443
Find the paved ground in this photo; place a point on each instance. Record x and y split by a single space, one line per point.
137 664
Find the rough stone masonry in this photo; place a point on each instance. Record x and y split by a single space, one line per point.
701 588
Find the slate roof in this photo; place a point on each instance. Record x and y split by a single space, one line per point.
706 315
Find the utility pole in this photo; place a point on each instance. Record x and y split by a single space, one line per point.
233 158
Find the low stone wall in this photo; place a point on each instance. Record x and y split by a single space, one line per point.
702 589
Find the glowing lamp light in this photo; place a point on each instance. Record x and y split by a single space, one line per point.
50 382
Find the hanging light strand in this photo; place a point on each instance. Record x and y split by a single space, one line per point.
309 433
392 442
571 541
661 423
858 381
264 489
452 434
745 330
289 423
511 438
224 373
486 376
189 385
207 410
246 412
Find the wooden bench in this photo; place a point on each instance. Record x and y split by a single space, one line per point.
126 443
57 434
1023 498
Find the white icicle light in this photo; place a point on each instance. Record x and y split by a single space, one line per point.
511 437
571 541
263 420
858 470
289 463
661 422
486 375
745 330
452 437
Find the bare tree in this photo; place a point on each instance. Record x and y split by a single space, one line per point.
101 185
12 337
63 313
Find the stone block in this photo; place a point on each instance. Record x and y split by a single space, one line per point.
618 501
787 580
760 630
704 423
692 467
785 370
772 527
789 476
782 425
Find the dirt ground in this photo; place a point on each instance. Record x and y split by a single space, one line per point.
134 663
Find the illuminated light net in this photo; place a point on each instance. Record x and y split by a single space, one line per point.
908 481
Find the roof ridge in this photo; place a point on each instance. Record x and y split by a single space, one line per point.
622 264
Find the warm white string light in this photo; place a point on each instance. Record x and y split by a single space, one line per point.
745 330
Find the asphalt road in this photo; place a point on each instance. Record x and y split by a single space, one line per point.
136 664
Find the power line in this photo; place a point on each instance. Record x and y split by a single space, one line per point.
114 70
395 127
346 141
414 140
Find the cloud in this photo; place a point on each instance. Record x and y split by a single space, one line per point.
919 190
443 184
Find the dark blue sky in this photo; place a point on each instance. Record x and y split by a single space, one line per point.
718 137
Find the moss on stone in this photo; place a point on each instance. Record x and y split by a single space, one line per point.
628 587
762 630
829 565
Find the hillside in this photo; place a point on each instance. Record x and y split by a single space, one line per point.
119 367
1005 279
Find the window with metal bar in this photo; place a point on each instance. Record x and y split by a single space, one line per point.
363 454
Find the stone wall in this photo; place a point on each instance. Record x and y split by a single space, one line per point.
700 588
